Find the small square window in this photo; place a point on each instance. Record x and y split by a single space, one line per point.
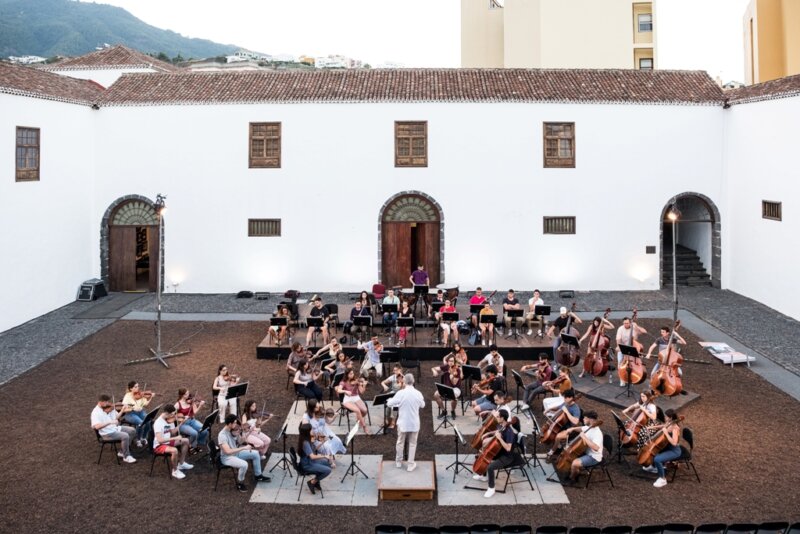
559 225
27 154
645 22
646 63
771 210
263 228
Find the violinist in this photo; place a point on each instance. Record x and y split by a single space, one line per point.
220 386
338 366
543 372
395 383
319 465
558 387
459 353
251 428
647 408
672 431
372 360
572 414
187 406
592 436
331 348
352 387
487 329
167 440
323 439
627 334
493 358
297 354
137 400
305 381
488 387
452 376
592 331
506 434
234 455
661 343
559 324
105 420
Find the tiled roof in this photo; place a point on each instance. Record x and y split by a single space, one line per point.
114 57
780 88
418 85
27 81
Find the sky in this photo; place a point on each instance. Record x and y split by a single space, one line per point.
692 34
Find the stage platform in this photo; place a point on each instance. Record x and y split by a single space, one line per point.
612 394
397 484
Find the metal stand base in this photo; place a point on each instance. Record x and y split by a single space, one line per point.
159 357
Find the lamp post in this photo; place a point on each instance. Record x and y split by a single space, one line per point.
673 214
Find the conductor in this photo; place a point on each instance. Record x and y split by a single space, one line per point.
408 401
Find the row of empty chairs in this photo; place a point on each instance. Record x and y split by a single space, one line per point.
674 528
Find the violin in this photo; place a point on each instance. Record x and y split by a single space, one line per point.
656 444
482 384
574 449
667 380
596 362
632 369
569 355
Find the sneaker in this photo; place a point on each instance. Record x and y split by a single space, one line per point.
185 466
144 442
178 474
129 459
398 465
263 478
241 487
539 333
263 456
660 483
500 331
650 469
489 493
312 487
413 465
530 331
524 407
622 384
482 478
120 455
139 444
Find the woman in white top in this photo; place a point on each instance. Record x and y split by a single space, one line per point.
325 440
352 387
251 428
221 383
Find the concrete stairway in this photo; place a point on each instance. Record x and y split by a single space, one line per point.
689 268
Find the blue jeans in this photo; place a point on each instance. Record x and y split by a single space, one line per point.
239 461
389 319
667 455
191 428
485 403
136 419
319 468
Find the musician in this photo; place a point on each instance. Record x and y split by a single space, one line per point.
167 440
447 327
592 436
338 366
661 343
487 327
572 414
278 333
402 331
420 277
543 372
648 408
438 298
627 334
488 387
137 400
251 428
560 323
452 376
317 464
220 386
476 299
459 353
506 434
511 302
493 358
324 440
318 310
187 406
359 310
235 455
332 348
372 360
389 319
409 402
105 420
352 388
592 331
531 317
558 387
297 354
672 431
393 383
305 381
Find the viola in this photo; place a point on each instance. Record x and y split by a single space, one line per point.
569 355
656 444
632 369
596 361
574 449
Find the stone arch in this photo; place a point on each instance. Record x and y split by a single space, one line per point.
693 206
131 217
411 207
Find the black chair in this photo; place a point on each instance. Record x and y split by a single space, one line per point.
686 456
711 528
484 529
110 442
617 529
166 457
390 529
516 529
608 444
213 398
678 528
585 530
333 318
794 529
418 529
301 473
518 466
216 461
298 397
773 528
649 529
454 529
741 528
551 530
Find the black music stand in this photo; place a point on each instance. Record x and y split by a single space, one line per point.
570 340
351 442
209 420
421 291
631 352
151 415
541 311
363 320
512 327
279 321
408 322
317 323
537 430
520 385
447 394
380 399
283 463
435 307
458 464
489 318
471 372
236 391
389 309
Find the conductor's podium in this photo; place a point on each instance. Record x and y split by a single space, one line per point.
397 484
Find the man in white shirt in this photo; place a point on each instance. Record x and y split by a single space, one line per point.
372 360
531 316
409 402
167 440
236 456
389 319
493 358
591 434
105 420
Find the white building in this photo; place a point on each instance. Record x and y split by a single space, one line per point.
503 178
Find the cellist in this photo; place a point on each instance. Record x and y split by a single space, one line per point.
661 343
591 332
627 334
672 431
592 436
650 412
572 414
506 434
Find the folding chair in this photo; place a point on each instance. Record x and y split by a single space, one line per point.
110 442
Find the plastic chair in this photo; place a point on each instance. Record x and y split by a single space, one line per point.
741 528
418 529
585 530
617 529
520 466
516 529
793 529
454 529
484 529
333 318
378 291
710 528
111 442
551 530
678 528
649 529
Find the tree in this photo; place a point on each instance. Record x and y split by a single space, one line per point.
163 57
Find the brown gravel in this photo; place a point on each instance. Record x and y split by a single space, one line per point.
746 437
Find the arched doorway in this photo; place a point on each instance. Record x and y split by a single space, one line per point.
411 233
129 245
698 241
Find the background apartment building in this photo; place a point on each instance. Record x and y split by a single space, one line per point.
771 40
593 34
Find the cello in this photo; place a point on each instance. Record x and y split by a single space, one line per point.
635 422
638 373
488 426
596 361
553 426
569 355
667 380
656 444
489 453
573 450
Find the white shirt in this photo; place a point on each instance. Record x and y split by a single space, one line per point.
500 362
595 435
99 416
539 302
161 427
409 402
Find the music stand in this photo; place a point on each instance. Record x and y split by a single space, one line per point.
351 442
315 323
520 385
151 415
388 309
475 309
631 352
471 372
421 291
570 340
449 317
363 320
541 311
489 318
236 391
514 315
537 430
447 394
436 306
283 463
209 420
380 399
407 322
458 464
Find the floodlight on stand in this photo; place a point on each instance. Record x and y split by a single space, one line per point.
673 215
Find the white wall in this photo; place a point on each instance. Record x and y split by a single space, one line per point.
485 160
45 235
762 140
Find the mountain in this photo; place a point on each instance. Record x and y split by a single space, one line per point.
66 27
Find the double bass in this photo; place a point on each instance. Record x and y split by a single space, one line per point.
667 380
656 444
574 449
596 361
569 355
638 373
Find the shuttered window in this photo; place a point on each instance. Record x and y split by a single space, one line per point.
265 145
27 154
559 225
559 144
263 228
411 144
771 210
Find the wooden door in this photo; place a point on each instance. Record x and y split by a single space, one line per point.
153 250
428 250
396 255
122 258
